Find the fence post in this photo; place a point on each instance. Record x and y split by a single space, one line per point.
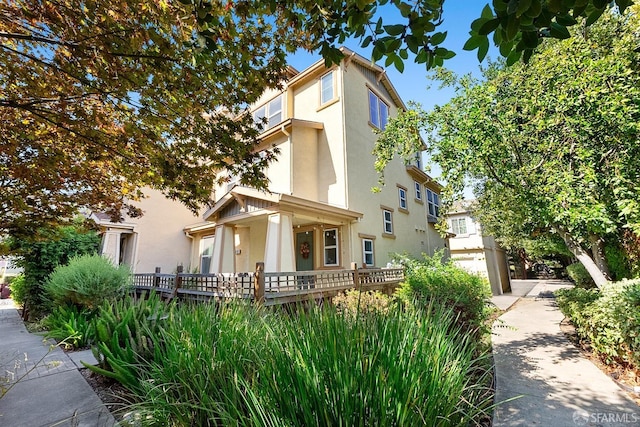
258 283
356 276
178 281
156 278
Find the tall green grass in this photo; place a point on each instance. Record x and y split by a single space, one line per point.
238 365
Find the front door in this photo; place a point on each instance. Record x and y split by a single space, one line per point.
304 251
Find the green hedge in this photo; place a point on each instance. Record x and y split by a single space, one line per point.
608 318
580 276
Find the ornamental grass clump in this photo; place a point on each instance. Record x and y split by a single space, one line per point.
87 281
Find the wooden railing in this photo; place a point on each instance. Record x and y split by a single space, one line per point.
268 288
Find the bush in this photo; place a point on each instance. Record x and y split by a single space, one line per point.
434 281
70 326
18 287
354 302
87 281
580 276
608 318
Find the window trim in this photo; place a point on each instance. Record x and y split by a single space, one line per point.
325 247
457 222
201 251
433 204
268 115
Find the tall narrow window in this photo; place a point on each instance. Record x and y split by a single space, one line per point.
378 111
402 198
387 220
331 247
326 88
206 251
418 190
367 252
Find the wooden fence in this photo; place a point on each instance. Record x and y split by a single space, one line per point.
266 287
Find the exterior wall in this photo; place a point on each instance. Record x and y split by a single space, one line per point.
480 254
158 235
411 233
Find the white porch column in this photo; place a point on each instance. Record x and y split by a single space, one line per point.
111 246
223 257
279 254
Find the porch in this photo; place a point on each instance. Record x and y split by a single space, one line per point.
268 288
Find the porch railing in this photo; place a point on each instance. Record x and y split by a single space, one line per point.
267 287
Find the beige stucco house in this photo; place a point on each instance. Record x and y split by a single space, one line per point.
473 251
320 212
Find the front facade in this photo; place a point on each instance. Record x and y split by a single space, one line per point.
474 252
321 212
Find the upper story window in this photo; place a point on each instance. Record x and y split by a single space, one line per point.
271 111
378 111
418 190
327 92
331 247
433 202
387 221
459 225
402 198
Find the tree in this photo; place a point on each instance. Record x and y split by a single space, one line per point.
552 146
99 100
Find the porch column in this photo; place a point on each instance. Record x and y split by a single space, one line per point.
279 254
111 246
223 257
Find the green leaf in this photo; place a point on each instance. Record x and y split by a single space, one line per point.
593 16
483 49
394 30
489 27
513 57
487 13
366 41
530 39
399 64
473 42
566 20
523 6
558 31
438 38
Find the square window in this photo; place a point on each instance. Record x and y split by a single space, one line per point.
459 225
326 88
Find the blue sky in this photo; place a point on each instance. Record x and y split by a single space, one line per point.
412 83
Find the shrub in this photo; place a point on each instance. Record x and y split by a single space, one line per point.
87 281
434 281
71 326
354 301
18 287
580 276
608 318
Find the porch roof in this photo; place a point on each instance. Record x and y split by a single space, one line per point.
304 210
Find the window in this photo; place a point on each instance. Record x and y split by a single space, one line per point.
326 88
272 111
419 160
233 180
378 111
418 190
331 247
206 251
459 225
367 252
433 202
402 198
387 220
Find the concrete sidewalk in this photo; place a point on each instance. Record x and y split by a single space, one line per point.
46 387
558 386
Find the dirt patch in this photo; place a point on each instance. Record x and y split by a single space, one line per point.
115 397
626 376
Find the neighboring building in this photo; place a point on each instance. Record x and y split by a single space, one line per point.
474 252
320 211
8 270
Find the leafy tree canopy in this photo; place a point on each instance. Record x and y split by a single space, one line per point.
101 99
553 146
